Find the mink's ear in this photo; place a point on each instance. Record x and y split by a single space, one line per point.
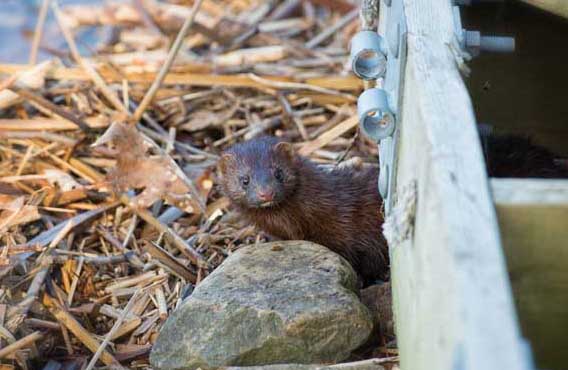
224 161
285 148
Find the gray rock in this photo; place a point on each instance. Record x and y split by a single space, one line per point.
372 364
378 299
274 303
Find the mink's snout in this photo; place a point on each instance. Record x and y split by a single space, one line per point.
264 190
265 194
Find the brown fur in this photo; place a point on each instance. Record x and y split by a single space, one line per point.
518 157
338 208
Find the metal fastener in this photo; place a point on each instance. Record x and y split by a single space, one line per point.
475 43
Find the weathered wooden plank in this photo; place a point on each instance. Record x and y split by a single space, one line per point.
530 193
452 298
533 218
558 7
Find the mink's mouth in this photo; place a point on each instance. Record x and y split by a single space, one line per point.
267 204
263 205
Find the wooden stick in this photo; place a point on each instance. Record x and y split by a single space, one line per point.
344 21
362 363
75 281
161 301
38 31
43 324
131 281
7 83
40 100
299 86
329 136
167 65
24 342
48 124
93 74
78 330
47 236
347 83
35 287
178 242
114 328
170 262
287 110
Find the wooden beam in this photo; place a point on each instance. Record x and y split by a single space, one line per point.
452 299
558 7
533 218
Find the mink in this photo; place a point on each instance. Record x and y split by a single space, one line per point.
290 197
518 157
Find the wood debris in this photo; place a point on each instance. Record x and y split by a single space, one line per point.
107 223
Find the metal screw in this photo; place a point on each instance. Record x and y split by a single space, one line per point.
475 42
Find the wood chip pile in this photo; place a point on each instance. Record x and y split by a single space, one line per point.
107 222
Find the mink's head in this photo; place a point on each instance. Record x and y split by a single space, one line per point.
260 173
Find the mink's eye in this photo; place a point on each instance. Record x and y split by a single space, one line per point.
245 180
278 174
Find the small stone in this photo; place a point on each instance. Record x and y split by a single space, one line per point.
277 248
260 307
378 299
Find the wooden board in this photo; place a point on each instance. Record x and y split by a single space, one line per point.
452 298
558 7
533 217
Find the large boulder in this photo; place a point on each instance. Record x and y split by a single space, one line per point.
282 302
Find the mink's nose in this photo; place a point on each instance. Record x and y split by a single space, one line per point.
265 195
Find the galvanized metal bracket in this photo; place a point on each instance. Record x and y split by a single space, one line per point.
382 57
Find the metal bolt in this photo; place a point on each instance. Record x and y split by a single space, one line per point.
475 42
368 55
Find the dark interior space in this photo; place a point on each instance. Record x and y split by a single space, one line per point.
526 92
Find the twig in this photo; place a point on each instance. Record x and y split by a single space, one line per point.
114 328
38 31
328 136
161 301
97 79
170 262
75 280
167 65
24 342
178 242
299 86
68 321
287 110
40 100
328 32
372 361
